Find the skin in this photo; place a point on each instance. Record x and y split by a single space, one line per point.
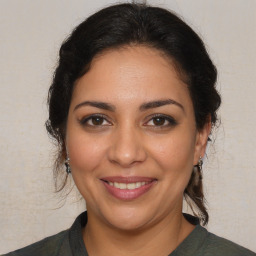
129 141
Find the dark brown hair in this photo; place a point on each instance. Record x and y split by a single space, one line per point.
134 24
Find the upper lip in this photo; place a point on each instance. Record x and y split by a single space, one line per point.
131 179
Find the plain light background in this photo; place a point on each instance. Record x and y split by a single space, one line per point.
31 34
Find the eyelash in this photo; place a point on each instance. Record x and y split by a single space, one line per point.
85 121
171 121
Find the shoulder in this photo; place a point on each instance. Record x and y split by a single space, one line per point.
50 246
201 242
215 245
60 244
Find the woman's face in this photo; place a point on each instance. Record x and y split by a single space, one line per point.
132 138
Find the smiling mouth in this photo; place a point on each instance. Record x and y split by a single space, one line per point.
128 188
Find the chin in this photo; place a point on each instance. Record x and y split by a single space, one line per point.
127 218
127 223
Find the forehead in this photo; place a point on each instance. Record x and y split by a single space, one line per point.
131 74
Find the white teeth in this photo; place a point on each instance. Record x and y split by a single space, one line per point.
138 184
128 185
122 186
131 185
116 185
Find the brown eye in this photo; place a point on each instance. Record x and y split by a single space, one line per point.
161 121
158 121
97 120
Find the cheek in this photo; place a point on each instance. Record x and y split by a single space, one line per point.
86 152
175 154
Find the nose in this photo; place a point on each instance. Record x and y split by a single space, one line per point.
127 148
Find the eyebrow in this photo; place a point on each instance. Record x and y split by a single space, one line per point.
96 104
159 103
143 107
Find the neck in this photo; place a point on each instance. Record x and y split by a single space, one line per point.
161 238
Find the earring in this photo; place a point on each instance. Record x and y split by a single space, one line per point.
200 163
68 169
197 170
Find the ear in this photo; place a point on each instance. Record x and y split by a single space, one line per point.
201 141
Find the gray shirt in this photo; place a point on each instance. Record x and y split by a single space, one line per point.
199 242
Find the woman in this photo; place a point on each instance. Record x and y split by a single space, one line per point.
132 104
